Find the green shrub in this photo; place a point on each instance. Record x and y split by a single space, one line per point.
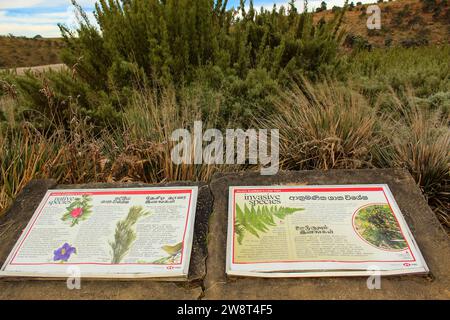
357 42
167 41
139 44
424 69
56 96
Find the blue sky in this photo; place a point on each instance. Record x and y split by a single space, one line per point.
32 17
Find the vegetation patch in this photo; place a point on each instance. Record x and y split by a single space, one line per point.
377 225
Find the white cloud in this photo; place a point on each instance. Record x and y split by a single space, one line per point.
20 4
44 18
45 22
29 30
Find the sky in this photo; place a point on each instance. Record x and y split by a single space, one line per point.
40 17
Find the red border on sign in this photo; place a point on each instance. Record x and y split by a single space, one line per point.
125 192
337 189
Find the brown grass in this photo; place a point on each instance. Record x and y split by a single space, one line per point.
140 151
419 141
324 126
18 52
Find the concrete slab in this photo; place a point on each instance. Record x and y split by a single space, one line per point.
17 217
431 238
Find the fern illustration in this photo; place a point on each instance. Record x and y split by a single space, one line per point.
258 220
125 233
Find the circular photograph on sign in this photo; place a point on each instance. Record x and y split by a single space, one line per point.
377 225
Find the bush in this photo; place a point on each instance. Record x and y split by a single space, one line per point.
438 102
166 41
152 43
357 42
56 96
413 42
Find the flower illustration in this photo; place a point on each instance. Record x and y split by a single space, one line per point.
76 213
79 210
63 253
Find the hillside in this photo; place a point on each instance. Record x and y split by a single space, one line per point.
24 52
403 22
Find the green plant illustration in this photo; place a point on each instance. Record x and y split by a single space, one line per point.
256 220
125 234
378 226
80 209
174 254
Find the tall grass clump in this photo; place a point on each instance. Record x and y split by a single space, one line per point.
419 140
24 155
26 152
324 126
150 120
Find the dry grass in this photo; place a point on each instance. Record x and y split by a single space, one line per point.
140 151
419 140
324 126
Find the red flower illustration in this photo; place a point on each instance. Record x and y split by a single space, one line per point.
76 213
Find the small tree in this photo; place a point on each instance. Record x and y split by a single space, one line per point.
336 9
323 7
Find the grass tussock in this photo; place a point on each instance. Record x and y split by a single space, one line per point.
324 126
150 121
419 140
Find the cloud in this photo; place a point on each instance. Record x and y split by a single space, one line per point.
31 17
21 4
29 30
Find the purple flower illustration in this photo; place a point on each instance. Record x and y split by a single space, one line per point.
63 254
